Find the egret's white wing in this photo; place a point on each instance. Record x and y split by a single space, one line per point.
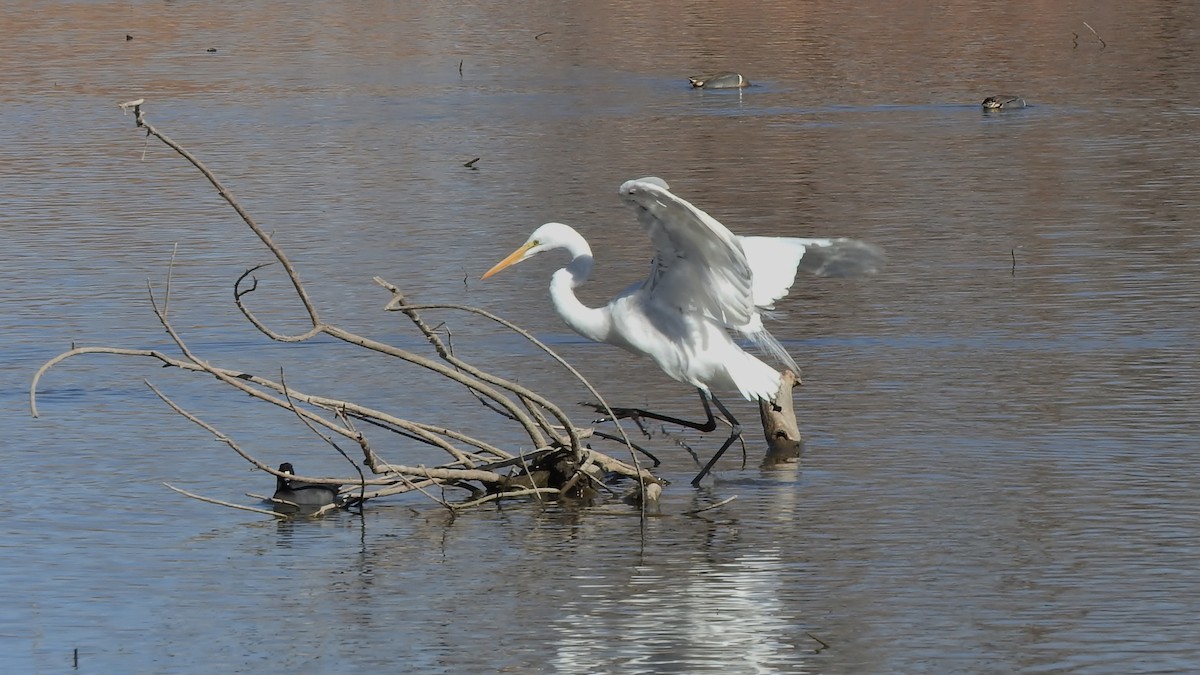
698 264
775 261
841 257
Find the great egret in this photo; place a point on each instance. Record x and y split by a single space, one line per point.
303 495
704 281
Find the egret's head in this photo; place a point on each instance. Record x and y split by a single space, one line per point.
546 237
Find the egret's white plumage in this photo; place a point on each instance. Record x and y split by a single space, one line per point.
704 282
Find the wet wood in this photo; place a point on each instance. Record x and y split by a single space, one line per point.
784 443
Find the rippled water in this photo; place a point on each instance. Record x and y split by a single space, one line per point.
1000 428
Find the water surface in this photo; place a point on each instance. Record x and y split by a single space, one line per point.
1001 429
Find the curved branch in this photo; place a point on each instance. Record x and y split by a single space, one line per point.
76 351
425 432
140 120
238 293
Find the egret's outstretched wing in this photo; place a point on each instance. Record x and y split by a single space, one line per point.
698 264
775 261
841 257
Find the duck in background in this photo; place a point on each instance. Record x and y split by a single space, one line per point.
719 81
1003 103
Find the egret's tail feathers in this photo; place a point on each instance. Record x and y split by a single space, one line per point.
841 258
754 379
769 345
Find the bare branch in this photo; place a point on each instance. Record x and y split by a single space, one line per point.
239 293
503 495
231 505
558 441
141 122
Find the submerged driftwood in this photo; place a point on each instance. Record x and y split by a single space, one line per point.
559 465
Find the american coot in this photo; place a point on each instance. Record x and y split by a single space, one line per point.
719 81
305 495
1003 103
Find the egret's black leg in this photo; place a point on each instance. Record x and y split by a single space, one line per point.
614 437
736 430
708 425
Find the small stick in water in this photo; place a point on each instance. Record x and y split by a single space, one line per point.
1103 44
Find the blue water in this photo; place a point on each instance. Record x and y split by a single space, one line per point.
1000 427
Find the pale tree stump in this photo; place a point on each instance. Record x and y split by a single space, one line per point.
784 442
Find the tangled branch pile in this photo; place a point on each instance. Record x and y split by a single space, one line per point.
560 463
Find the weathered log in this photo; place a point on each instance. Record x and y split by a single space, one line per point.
784 443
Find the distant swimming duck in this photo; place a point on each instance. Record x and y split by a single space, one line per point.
1003 103
306 495
719 81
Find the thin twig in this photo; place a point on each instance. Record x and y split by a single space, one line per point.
170 272
649 455
824 644
710 507
414 486
1103 44
231 505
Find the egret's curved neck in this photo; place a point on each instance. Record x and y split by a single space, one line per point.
591 323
